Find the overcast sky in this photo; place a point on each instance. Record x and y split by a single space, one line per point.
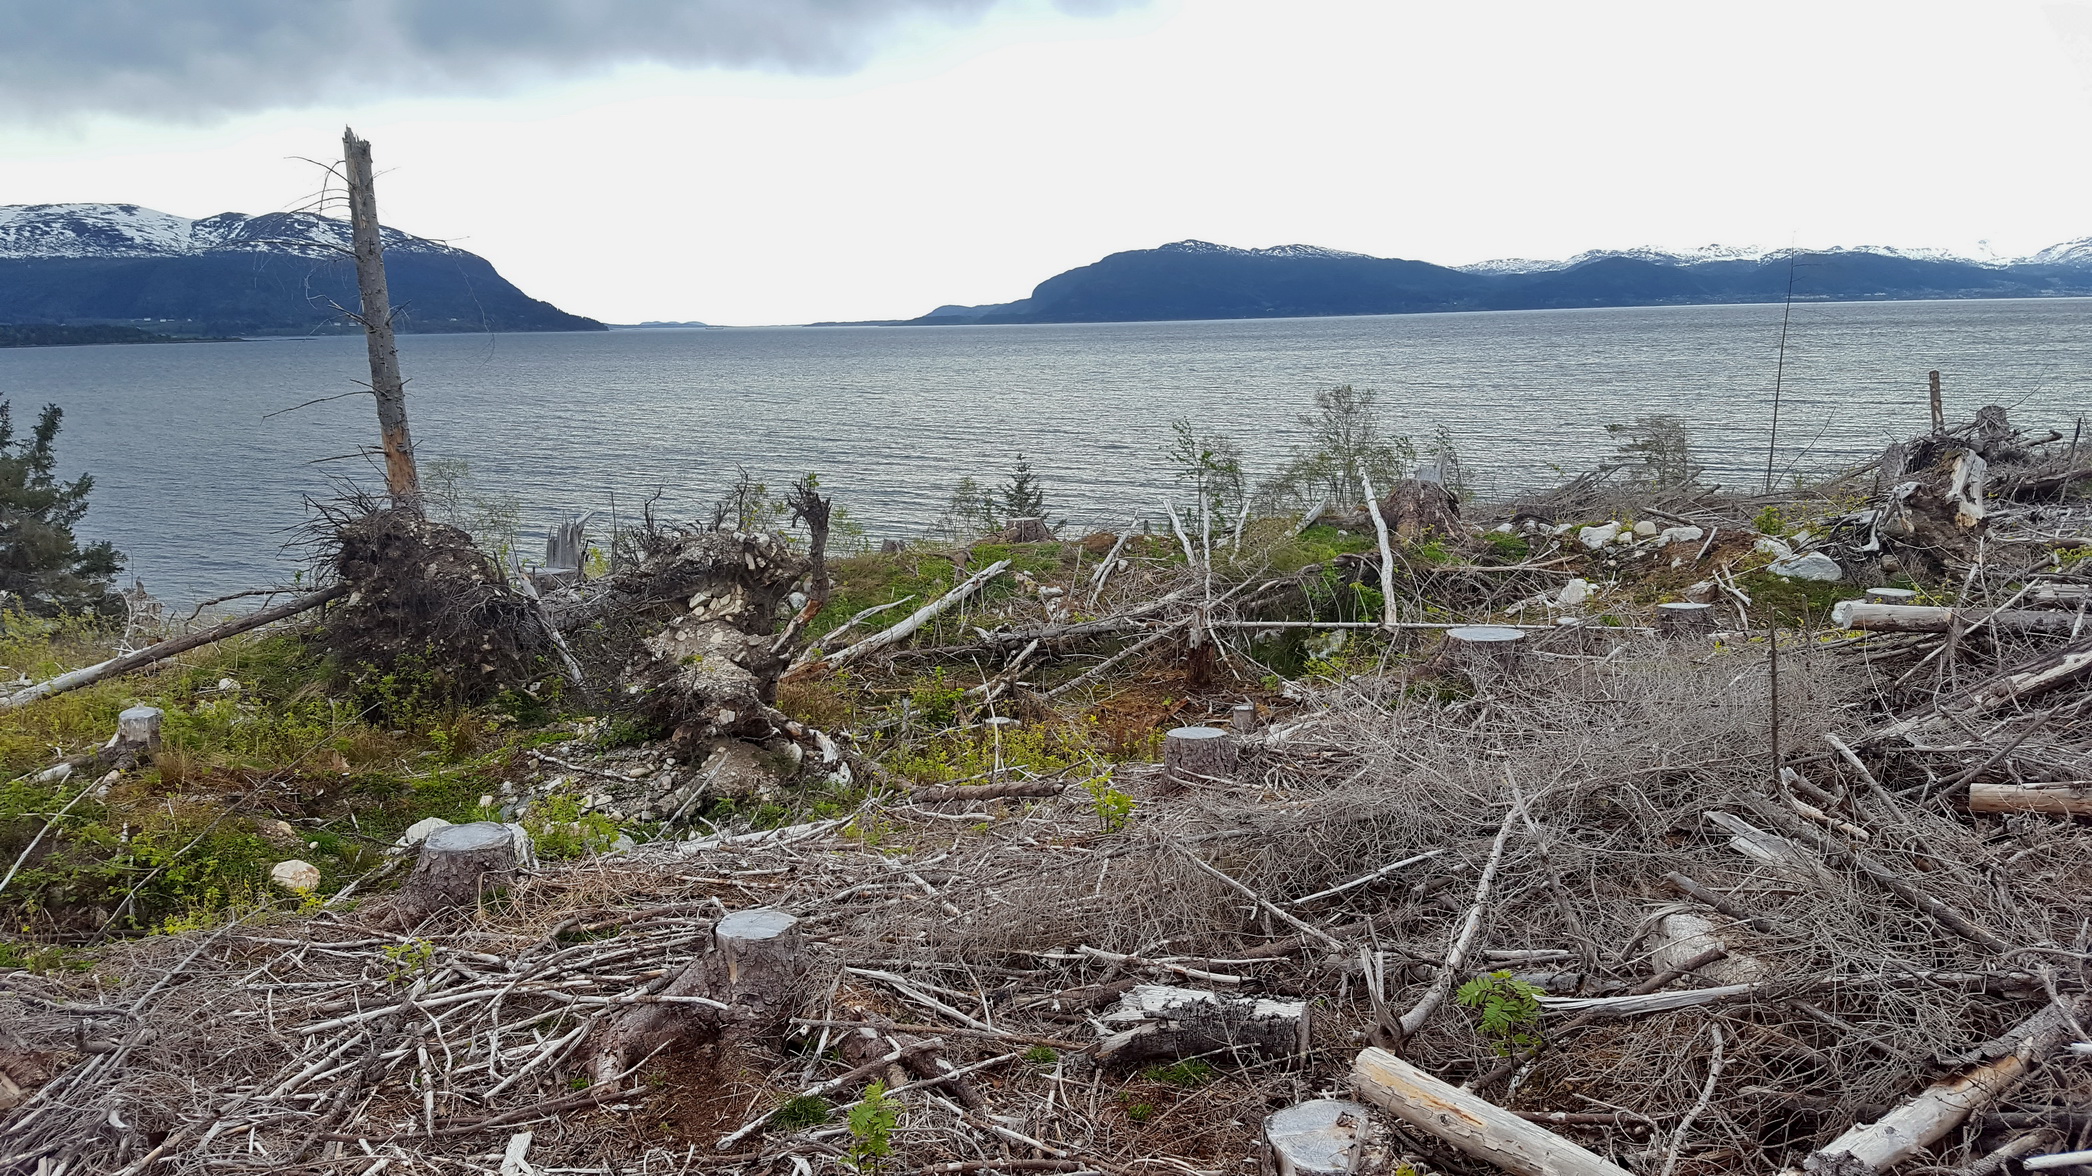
764 161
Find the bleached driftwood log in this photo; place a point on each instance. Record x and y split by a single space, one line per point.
2063 800
1921 618
1941 1107
742 986
1155 1020
1323 1137
1468 1122
1192 754
1488 650
459 864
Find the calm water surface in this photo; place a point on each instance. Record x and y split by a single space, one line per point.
202 476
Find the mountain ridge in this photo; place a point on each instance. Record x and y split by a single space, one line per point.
1195 279
86 264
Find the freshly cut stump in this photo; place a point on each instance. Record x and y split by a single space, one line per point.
1192 753
741 988
1684 619
1323 1137
138 731
458 864
1892 596
1485 650
1156 1020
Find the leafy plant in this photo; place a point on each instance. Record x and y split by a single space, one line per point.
1509 1008
1211 465
1140 1112
1041 1055
1114 808
805 1110
1656 451
1191 1072
872 1123
408 958
1343 442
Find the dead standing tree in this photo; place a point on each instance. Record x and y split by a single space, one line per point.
368 239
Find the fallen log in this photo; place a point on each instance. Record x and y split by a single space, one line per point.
1941 1107
913 621
1468 1122
89 675
2021 682
2063 800
1870 617
1155 1020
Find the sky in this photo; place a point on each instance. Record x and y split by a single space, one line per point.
780 161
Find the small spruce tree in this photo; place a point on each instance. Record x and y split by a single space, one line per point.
43 568
1023 496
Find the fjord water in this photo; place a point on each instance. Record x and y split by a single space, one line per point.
202 461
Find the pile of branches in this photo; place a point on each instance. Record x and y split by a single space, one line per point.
1582 894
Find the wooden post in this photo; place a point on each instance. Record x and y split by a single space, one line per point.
1192 753
1684 619
402 481
1939 407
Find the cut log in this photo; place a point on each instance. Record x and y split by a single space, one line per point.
1468 1122
1684 619
458 865
1920 618
2062 800
742 988
1941 1107
1154 1020
1192 754
1323 1137
1485 650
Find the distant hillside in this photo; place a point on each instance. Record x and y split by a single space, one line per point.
1200 280
50 336
232 274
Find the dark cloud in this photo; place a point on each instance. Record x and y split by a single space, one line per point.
199 58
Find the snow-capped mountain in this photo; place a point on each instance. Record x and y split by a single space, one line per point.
127 230
233 274
2073 253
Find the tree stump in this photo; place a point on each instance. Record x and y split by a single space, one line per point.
892 547
1485 651
1323 1137
742 987
137 735
1684 619
1242 719
458 864
1189 753
1026 531
1155 1020
1892 596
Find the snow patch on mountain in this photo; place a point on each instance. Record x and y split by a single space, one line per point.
1194 246
1708 254
127 230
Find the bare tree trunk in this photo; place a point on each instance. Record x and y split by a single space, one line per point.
401 479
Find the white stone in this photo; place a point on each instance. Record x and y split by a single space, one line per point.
1671 535
295 875
1645 528
276 830
1813 565
228 686
1503 528
1573 593
419 831
1767 545
1597 537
